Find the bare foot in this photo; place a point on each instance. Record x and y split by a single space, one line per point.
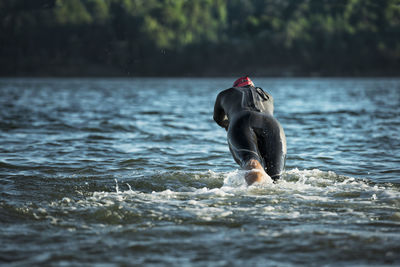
256 172
254 176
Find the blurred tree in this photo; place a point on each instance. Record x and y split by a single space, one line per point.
159 37
175 24
98 9
71 12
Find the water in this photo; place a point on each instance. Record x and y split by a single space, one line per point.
135 172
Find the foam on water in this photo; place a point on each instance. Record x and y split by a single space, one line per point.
300 194
306 208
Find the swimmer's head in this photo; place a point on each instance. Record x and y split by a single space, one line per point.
243 81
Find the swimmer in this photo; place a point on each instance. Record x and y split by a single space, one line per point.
255 138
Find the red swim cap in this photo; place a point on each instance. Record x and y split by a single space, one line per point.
243 81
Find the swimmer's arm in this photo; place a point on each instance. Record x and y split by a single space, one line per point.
219 114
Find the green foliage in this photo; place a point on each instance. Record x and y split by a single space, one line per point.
98 9
182 22
72 12
147 36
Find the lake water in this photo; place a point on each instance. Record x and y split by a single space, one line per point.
135 172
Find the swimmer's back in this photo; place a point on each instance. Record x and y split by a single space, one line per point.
249 98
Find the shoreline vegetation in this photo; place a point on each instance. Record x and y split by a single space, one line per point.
182 38
92 71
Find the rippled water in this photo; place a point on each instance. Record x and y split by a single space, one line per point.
135 172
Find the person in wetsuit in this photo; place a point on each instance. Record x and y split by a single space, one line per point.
255 138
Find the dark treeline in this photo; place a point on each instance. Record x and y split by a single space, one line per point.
202 37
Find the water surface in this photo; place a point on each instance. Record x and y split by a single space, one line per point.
135 171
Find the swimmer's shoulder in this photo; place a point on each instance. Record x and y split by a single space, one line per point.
229 91
224 93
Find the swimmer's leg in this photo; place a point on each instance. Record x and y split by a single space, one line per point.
248 160
243 146
256 172
272 147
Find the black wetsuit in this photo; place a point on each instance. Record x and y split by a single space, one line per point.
253 132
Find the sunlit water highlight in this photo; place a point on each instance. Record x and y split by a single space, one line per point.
135 172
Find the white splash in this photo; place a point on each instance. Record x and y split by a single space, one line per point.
116 186
313 194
